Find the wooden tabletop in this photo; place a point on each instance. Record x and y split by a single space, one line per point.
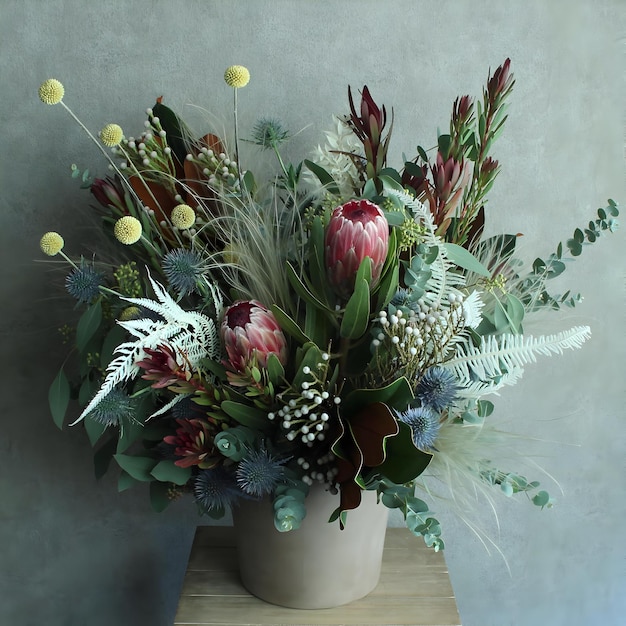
414 589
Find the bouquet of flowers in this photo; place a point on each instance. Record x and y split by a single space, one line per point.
344 323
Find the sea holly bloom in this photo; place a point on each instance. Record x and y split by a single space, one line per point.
356 230
250 333
193 442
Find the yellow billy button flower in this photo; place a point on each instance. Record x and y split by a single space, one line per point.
127 230
130 313
111 135
183 216
237 76
51 243
51 91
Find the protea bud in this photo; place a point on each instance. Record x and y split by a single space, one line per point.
250 333
109 192
356 230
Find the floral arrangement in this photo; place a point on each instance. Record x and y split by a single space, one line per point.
345 322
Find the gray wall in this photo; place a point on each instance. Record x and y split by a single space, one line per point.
73 550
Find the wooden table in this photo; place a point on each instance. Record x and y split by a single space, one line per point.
414 589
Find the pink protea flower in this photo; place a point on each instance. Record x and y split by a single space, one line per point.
250 333
356 230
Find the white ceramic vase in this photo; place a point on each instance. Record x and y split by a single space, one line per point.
318 565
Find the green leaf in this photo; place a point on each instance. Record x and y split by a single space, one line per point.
357 313
159 496
288 325
302 290
130 433
139 467
102 457
390 183
88 324
245 415
125 481
249 183
461 257
275 369
94 430
324 177
114 338
169 472
541 499
59 398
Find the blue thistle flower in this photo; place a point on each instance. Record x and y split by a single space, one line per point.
259 473
437 388
215 490
403 298
114 409
424 425
83 282
183 270
185 409
269 133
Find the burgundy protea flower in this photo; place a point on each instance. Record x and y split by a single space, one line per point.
501 82
193 442
250 333
356 230
160 365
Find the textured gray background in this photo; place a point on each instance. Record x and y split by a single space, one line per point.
74 551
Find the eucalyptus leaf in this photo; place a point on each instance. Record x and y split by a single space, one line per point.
465 259
159 496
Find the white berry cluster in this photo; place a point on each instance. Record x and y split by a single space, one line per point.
306 412
149 151
322 469
416 338
217 167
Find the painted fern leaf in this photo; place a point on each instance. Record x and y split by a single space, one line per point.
190 334
500 360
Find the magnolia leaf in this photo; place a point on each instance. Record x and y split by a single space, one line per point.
139 467
357 313
59 398
168 472
370 429
397 394
404 461
102 457
461 257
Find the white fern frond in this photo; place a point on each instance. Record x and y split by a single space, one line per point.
175 400
472 310
192 336
497 356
